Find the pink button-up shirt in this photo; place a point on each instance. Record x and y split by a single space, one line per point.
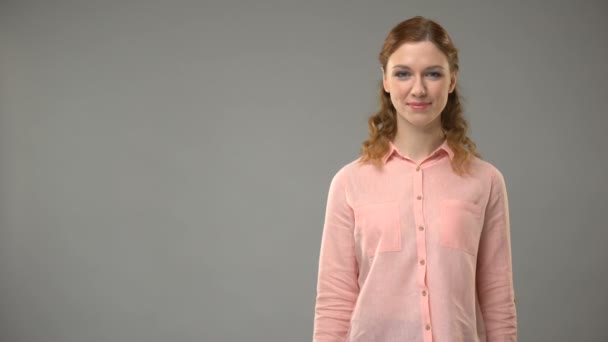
416 253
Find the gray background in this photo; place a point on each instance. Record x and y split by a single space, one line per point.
164 165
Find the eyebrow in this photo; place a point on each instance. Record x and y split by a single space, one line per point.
403 66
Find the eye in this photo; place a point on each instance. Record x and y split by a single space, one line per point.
402 74
434 74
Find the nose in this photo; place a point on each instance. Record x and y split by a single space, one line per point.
419 89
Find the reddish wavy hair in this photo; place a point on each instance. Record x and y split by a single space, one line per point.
382 126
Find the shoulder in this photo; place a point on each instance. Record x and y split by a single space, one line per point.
485 169
490 175
344 171
354 173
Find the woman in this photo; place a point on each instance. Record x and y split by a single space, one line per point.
416 242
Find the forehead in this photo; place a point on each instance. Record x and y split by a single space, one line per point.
418 54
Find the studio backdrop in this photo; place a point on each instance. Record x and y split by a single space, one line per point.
164 165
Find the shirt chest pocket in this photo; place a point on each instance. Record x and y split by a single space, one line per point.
461 225
378 227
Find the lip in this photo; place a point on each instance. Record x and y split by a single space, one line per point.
419 105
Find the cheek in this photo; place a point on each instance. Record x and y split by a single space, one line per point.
399 91
441 91
397 98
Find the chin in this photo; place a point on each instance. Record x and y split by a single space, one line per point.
417 120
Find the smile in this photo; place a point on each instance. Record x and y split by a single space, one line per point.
418 106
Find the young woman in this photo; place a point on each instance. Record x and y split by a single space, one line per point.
416 242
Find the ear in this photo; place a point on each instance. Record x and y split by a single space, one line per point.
384 81
453 80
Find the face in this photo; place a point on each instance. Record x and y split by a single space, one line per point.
418 78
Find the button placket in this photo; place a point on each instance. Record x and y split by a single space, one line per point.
421 251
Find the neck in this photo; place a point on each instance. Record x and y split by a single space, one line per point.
418 143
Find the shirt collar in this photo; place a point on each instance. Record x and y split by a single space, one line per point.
393 149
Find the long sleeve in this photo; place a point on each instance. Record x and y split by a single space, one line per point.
337 286
494 267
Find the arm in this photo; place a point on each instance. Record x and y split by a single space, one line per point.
494 267
337 286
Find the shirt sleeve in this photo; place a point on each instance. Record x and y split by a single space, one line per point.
337 285
494 267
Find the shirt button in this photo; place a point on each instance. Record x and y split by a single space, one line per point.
422 262
419 197
428 327
421 228
423 292
418 168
